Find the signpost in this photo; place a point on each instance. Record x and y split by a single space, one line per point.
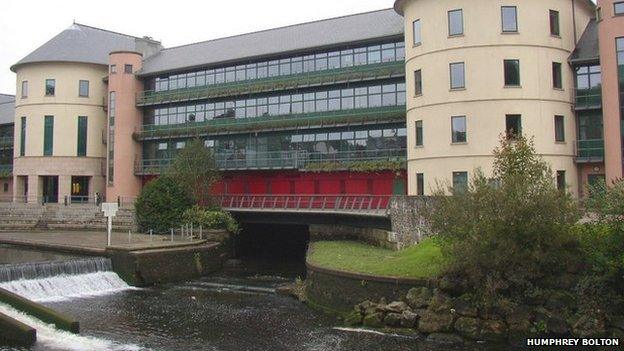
110 210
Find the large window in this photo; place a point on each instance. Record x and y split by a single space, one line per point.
419 133
50 87
618 8
420 184
418 85
460 182
512 73
509 16
24 89
48 136
308 101
559 129
458 129
554 23
110 144
457 72
22 150
557 75
416 32
320 61
456 22
561 180
590 125
82 136
588 77
83 88
513 125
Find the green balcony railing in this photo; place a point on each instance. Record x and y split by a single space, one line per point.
293 159
6 170
585 99
223 126
591 150
293 81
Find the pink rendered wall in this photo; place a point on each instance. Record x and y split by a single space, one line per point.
127 119
609 28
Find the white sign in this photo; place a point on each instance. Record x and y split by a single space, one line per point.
110 210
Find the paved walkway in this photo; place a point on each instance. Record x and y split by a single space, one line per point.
93 243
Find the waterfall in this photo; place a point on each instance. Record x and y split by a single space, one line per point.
62 280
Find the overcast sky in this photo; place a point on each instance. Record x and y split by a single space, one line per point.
27 24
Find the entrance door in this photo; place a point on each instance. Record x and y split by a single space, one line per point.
50 189
79 189
398 187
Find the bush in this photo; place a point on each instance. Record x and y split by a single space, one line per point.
210 219
161 204
507 234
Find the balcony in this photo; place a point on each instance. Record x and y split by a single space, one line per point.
293 81
225 126
363 160
587 99
589 151
6 170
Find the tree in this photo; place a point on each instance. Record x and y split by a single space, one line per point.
507 233
161 204
195 170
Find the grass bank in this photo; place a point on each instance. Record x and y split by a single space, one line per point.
419 261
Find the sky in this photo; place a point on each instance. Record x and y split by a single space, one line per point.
27 24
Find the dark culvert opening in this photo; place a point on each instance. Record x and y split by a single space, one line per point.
272 248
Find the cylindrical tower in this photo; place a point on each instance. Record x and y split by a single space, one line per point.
59 123
123 119
478 69
611 39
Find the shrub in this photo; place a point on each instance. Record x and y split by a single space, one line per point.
161 204
507 234
210 219
194 168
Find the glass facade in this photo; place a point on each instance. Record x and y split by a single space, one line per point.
390 93
320 61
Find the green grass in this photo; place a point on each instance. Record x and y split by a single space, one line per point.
423 260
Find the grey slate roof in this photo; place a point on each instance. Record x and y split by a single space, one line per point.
7 108
587 47
358 27
81 43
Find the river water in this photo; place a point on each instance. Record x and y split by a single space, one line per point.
227 311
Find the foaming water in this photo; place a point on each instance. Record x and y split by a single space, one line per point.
50 338
35 270
65 287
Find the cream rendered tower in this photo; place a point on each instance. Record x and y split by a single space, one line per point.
456 54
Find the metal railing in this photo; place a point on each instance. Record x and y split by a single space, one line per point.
221 126
348 74
590 150
585 99
293 159
307 203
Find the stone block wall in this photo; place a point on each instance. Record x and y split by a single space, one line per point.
407 217
373 236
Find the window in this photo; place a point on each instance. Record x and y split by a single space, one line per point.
82 136
512 73
456 22
513 125
458 80
419 133
460 182
420 184
23 137
48 135
24 89
83 88
162 146
561 180
559 129
416 32
180 145
418 82
113 69
618 8
50 86
556 75
509 17
6 187
458 129
598 14
128 69
554 23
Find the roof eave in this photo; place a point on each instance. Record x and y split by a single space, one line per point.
19 64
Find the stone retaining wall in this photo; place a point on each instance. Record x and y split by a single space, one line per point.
373 236
407 218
